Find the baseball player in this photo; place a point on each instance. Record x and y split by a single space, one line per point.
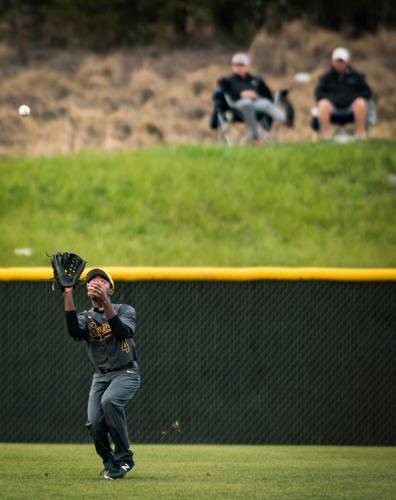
108 332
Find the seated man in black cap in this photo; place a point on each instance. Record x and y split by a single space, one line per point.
342 89
249 94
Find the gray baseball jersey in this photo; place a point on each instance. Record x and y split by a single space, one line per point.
110 343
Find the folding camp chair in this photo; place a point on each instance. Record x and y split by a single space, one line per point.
343 120
229 123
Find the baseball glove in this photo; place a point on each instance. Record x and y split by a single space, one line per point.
67 269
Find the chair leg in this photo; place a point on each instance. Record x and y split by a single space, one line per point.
223 134
269 137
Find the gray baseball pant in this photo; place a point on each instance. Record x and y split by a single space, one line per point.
249 107
108 397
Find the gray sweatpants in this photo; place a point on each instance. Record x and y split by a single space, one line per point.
108 397
249 107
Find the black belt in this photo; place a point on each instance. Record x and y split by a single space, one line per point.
107 370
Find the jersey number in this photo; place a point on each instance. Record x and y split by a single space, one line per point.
125 346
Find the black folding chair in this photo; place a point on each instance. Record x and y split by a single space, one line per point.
343 120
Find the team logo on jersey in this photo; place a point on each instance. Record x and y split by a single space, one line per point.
98 333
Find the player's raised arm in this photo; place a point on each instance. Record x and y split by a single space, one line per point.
72 323
68 299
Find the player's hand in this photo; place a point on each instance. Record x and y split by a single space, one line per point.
249 94
97 291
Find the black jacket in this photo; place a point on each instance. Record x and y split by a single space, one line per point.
233 86
342 89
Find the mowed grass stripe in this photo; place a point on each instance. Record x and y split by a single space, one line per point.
201 471
284 205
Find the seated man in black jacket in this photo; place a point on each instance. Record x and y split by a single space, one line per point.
342 88
249 94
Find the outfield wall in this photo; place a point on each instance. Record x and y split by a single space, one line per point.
247 355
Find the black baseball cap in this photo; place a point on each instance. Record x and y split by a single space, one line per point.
100 272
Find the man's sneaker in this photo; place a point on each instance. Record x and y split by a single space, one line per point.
106 466
111 472
119 471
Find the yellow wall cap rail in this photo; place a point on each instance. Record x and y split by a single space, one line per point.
213 273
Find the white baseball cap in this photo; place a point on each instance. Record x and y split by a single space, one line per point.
341 53
241 58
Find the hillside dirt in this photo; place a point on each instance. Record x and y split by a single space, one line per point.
161 95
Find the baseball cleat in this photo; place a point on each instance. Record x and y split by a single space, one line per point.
119 472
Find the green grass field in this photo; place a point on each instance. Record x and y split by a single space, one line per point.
297 205
198 471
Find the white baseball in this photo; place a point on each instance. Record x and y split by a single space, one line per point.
24 110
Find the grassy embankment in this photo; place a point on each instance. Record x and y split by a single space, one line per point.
293 205
207 472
